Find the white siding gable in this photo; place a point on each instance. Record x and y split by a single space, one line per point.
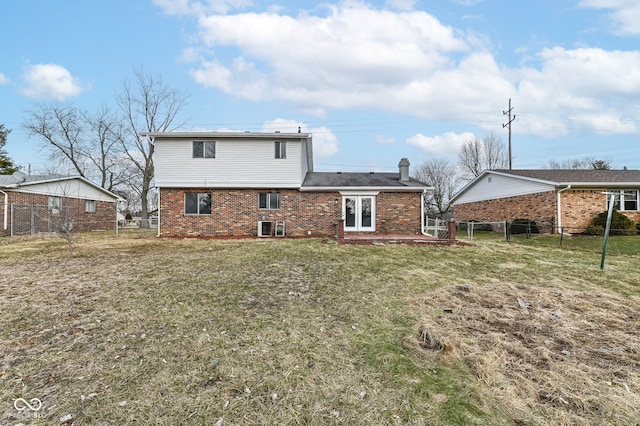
71 188
238 163
491 186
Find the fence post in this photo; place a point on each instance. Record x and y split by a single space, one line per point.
451 228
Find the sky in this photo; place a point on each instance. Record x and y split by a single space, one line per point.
373 81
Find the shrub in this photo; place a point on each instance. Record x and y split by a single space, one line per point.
620 224
522 226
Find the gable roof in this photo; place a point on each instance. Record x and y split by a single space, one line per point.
562 178
332 181
19 179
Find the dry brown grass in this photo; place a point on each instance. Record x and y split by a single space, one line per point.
140 330
545 355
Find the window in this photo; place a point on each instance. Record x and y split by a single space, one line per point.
90 206
624 200
281 149
55 204
197 203
269 200
204 149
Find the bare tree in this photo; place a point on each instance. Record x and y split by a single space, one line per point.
81 142
148 106
586 163
59 128
495 156
103 148
443 176
476 156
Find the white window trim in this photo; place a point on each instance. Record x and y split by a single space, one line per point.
359 196
94 205
618 193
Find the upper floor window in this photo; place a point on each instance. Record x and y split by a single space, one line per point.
197 203
90 206
281 149
625 200
269 200
204 149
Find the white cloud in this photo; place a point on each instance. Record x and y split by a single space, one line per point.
350 55
580 89
50 81
625 14
325 143
445 145
194 7
4 79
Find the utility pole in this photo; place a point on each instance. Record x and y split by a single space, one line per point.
508 124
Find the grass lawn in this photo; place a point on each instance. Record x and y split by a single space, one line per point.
141 330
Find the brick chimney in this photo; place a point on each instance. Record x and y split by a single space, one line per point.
403 165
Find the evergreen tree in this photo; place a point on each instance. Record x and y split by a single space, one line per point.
7 166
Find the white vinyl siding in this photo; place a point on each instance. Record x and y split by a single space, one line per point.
238 164
496 186
73 188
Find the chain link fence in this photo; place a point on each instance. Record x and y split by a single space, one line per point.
32 219
543 232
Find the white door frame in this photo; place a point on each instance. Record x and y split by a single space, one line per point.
358 198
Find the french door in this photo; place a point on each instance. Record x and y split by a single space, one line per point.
359 212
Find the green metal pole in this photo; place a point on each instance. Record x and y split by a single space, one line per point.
606 231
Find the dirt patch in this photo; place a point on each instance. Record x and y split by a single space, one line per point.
545 355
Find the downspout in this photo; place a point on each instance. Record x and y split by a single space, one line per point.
560 206
6 210
159 211
422 227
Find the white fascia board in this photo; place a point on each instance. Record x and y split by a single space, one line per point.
217 185
224 135
361 189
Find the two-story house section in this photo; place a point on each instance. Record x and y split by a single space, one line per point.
242 184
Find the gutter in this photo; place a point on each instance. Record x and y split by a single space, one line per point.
6 210
559 226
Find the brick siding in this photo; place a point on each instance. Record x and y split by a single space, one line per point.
235 213
579 208
531 206
102 219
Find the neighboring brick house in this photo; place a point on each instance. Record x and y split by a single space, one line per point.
233 184
567 199
32 204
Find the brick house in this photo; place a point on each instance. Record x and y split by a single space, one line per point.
33 204
567 199
234 184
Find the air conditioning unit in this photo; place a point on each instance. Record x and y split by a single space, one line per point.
264 228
